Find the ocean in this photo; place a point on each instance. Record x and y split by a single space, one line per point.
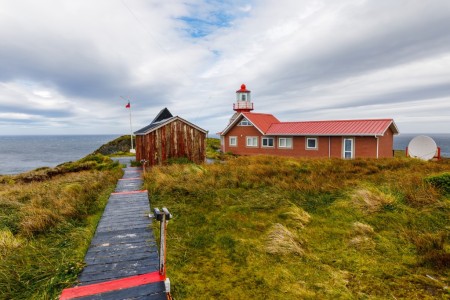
19 154
442 141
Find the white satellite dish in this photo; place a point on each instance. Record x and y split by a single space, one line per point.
422 147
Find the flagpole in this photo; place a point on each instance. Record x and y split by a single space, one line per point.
131 131
132 150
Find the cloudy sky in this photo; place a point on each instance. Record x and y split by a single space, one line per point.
65 65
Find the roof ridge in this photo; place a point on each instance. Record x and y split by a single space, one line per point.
349 120
252 113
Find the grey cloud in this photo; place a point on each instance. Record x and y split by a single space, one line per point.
377 49
84 73
284 59
410 94
43 112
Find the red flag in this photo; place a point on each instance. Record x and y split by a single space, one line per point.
128 105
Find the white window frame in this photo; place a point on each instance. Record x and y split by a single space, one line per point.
351 151
285 146
245 122
316 147
267 138
230 138
253 139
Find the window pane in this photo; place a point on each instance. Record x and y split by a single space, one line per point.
311 143
267 142
252 141
348 145
288 143
285 142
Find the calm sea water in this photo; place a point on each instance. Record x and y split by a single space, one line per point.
24 153
442 140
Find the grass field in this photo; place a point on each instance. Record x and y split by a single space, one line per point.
47 218
283 228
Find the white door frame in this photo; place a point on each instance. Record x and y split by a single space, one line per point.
351 151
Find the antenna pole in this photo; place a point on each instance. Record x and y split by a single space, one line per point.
131 132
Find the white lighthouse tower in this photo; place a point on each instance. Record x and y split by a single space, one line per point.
243 102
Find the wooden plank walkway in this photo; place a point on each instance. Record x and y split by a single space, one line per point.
123 254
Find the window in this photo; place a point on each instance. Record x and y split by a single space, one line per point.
245 122
233 141
311 144
252 141
348 148
267 142
243 97
285 143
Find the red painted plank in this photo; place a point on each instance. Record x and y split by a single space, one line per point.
109 286
130 192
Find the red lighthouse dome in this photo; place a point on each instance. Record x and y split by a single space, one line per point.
243 100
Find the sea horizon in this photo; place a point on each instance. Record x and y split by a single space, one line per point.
23 153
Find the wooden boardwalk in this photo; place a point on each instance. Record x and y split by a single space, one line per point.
122 260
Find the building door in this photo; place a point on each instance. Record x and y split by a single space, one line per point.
348 151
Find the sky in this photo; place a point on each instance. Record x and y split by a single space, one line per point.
70 67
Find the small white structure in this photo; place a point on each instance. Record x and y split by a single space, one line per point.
422 147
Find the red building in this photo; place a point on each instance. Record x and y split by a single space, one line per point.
255 133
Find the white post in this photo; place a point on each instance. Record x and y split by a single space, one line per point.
131 134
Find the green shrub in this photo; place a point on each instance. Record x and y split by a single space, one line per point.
179 161
135 163
441 181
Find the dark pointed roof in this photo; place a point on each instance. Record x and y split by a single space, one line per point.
163 116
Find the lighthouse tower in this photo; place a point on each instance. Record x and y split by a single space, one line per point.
243 102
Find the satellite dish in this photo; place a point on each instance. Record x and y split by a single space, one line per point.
422 147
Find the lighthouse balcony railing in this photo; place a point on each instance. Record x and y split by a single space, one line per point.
243 105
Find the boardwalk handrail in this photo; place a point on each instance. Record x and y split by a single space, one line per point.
163 217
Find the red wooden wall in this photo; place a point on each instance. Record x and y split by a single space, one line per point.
173 140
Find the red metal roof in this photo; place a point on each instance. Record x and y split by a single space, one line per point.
261 121
340 127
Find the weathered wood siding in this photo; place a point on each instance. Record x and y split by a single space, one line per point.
173 140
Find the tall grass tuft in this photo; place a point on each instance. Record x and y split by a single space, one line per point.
371 200
47 218
281 240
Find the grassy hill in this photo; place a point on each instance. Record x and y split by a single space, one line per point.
283 228
47 218
119 147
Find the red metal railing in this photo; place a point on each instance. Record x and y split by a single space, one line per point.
243 105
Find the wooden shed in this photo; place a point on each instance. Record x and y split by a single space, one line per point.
170 137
